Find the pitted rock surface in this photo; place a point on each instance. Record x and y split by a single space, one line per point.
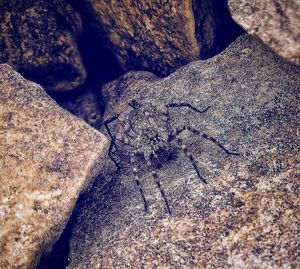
39 39
247 215
276 22
160 36
47 158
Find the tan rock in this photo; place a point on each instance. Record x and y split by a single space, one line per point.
159 36
38 38
277 23
247 215
47 157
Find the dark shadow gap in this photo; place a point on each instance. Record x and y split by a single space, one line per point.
100 63
58 257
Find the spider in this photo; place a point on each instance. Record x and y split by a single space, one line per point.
146 131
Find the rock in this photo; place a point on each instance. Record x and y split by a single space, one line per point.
119 92
275 22
89 104
86 105
47 158
38 38
160 36
245 147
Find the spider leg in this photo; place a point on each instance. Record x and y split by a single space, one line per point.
138 181
188 106
110 154
127 128
155 177
112 141
212 139
131 127
112 119
173 135
189 155
125 142
106 125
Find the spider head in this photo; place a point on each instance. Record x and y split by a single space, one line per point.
149 122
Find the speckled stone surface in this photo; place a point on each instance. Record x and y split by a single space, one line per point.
158 36
39 38
248 213
276 22
47 157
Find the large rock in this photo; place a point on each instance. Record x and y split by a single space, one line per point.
246 149
38 38
276 22
47 157
161 36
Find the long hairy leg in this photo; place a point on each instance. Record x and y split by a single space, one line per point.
112 145
137 180
173 136
212 139
189 155
156 179
186 105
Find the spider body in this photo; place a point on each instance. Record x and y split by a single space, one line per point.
146 131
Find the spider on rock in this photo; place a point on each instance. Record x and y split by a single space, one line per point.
146 130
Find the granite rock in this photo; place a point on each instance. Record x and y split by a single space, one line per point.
86 105
118 93
156 211
39 39
160 36
47 158
276 22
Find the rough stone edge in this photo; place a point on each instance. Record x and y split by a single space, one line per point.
93 170
280 53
